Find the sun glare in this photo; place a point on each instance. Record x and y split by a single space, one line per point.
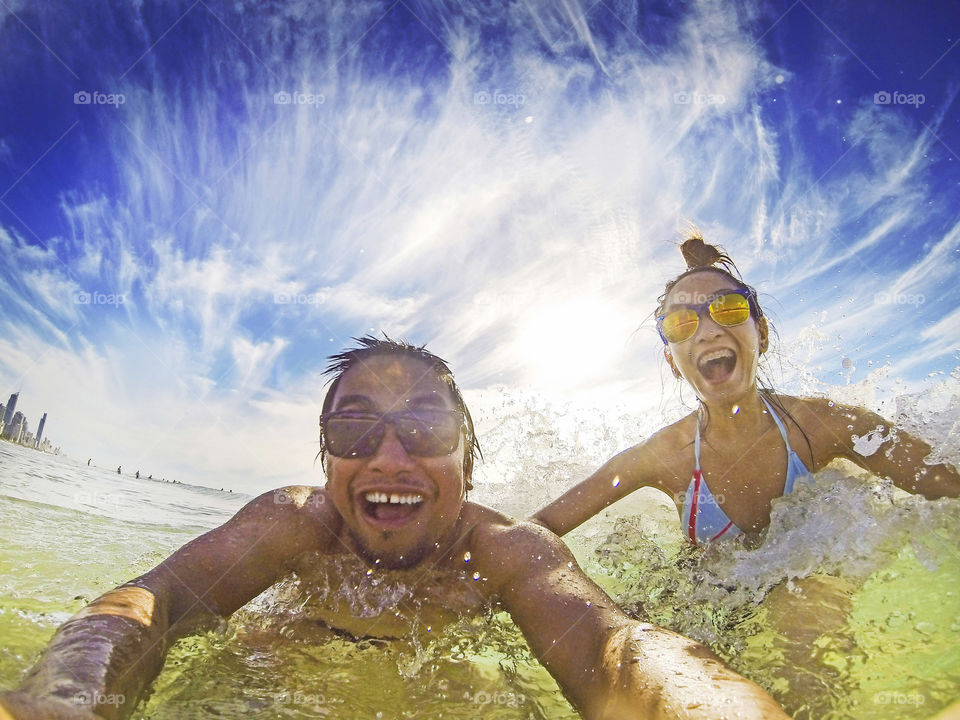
570 343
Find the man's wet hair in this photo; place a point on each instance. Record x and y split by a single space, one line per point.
371 346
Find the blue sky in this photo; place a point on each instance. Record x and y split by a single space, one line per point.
199 201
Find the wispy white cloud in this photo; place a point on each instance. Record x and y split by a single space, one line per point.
525 235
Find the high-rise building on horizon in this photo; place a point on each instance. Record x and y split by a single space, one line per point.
15 428
39 437
11 408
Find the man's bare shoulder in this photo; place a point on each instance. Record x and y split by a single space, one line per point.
293 510
504 544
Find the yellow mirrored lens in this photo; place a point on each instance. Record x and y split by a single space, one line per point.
680 325
730 309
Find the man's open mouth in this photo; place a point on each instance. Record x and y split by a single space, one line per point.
717 365
383 508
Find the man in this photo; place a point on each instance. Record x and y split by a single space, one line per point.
398 446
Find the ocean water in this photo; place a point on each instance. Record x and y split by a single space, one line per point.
850 608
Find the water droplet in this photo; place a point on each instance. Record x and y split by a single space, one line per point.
735 409
846 363
476 576
466 556
616 481
369 573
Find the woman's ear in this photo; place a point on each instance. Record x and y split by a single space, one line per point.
669 356
764 331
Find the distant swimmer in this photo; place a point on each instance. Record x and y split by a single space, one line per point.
88 461
734 444
118 470
397 446
138 475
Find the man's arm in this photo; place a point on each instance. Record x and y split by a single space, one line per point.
609 666
99 662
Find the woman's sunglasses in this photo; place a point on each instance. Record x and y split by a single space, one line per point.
730 309
425 433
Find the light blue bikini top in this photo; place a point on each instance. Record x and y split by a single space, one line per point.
705 519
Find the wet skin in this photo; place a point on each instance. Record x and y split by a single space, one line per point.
743 456
397 535
731 375
608 665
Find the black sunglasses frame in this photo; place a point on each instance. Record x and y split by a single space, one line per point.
372 438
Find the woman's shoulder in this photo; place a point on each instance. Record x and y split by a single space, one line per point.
820 418
671 437
661 456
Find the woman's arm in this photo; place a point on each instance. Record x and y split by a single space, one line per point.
900 455
646 464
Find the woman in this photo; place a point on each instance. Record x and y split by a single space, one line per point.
744 446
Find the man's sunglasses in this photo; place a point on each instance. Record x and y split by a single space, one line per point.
425 433
730 309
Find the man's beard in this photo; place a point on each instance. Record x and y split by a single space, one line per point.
413 556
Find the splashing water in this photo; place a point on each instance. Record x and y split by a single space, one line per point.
847 607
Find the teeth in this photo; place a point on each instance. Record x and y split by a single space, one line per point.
394 499
715 355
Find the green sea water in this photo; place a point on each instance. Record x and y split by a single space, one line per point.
837 619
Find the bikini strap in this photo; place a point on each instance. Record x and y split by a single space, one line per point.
696 444
779 422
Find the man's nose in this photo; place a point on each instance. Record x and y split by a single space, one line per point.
390 455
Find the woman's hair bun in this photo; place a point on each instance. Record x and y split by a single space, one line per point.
699 254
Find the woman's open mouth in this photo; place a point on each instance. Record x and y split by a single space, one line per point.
718 365
390 509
